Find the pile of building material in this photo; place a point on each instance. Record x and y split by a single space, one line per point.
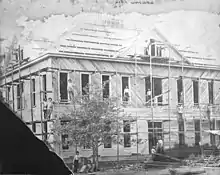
212 161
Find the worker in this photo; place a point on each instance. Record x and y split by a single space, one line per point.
70 89
49 108
160 148
76 162
126 94
45 108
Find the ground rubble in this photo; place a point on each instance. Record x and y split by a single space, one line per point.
210 161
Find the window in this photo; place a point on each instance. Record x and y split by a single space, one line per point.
181 133
108 138
105 84
64 138
108 142
211 95
125 89
152 47
85 84
180 91
156 89
20 90
44 86
195 92
159 51
63 87
197 131
33 86
8 94
34 127
212 136
127 135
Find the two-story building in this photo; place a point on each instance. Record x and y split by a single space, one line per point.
184 88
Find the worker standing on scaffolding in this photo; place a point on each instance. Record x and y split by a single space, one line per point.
126 94
70 89
45 108
49 108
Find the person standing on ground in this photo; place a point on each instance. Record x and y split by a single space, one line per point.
160 149
76 162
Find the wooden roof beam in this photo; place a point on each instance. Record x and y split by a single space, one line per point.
87 35
93 42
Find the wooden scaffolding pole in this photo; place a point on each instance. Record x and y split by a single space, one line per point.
151 97
41 114
31 100
12 79
117 107
169 101
20 87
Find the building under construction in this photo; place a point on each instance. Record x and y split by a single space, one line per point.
173 92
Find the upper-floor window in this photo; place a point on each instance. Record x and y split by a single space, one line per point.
211 92
105 86
44 82
85 84
63 86
125 89
20 90
196 92
8 94
180 91
155 90
33 89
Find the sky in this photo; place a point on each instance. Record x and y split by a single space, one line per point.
188 22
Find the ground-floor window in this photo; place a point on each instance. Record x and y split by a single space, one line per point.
64 139
197 132
181 132
108 142
212 136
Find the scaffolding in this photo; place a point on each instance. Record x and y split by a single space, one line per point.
135 74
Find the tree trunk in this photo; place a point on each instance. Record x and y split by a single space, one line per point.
95 154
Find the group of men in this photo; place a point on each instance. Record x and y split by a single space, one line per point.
159 148
82 164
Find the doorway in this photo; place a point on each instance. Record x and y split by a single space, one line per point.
155 130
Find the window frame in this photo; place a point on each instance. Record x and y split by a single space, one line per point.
211 98
194 90
63 100
33 89
90 78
